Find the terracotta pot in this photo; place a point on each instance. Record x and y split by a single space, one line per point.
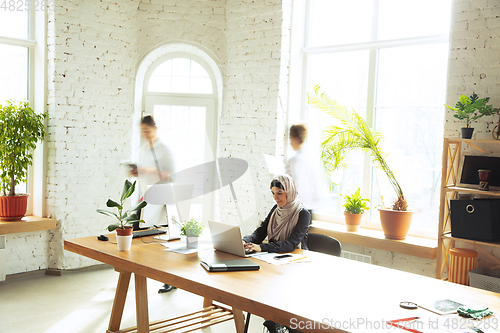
124 232
13 208
395 223
124 238
352 221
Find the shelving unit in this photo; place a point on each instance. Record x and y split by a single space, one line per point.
452 149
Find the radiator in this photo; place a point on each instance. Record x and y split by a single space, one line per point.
356 256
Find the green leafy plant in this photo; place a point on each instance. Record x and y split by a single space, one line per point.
192 228
20 129
353 134
123 217
472 108
354 204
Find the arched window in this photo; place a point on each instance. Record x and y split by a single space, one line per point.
181 90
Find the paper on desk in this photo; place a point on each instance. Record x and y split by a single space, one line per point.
269 258
180 247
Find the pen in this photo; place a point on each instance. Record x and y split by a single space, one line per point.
299 258
395 324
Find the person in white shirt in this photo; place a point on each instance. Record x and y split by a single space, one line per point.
155 164
156 160
306 170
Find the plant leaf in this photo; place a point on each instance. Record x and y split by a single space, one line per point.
113 227
107 212
111 203
126 187
140 205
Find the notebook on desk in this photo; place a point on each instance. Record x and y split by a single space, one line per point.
230 265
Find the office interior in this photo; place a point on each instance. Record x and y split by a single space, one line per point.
227 79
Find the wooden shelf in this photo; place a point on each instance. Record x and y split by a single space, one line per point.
472 190
452 152
449 236
27 224
454 140
414 246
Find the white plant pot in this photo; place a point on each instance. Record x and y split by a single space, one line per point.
192 242
124 242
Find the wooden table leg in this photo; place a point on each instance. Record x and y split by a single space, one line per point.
207 302
141 304
119 302
239 320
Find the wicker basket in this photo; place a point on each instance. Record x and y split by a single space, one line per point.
485 278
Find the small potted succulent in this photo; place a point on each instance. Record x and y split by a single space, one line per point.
20 130
123 231
192 229
354 206
469 109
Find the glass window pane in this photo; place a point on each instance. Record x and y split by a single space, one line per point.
14 23
410 114
334 22
404 19
412 75
344 76
14 73
180 75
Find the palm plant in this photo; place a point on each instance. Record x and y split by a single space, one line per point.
354 134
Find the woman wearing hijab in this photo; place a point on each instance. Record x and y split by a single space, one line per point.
285 227
286 224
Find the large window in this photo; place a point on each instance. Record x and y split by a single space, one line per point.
387 59
16 59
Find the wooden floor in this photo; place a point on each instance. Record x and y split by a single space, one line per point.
81 303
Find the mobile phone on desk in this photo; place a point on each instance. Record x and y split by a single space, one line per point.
283 256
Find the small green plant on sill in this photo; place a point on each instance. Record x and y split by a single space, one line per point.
123 217
192 228
354 204
472 108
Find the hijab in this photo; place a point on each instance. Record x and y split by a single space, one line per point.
284 219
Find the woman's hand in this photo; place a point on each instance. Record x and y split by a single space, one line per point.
250 247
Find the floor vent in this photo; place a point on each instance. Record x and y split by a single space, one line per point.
356 256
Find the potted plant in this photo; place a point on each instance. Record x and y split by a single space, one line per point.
20 129
354 206
123 231
469 109
354 133
192 229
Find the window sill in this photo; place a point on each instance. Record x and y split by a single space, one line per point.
27 224
414 246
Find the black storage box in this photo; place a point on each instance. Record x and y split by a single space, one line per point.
477 219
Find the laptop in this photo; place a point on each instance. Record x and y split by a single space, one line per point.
227 238
230 265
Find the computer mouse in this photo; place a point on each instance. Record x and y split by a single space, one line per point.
102 238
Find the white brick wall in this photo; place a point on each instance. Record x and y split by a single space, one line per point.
255 78
474 62
94 50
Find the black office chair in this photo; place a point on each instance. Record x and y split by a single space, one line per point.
324 244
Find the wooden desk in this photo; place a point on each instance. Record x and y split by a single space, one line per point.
337 289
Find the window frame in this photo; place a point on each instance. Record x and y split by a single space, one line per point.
300 81
210 101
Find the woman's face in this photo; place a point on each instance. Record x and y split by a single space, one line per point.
148 132
279 196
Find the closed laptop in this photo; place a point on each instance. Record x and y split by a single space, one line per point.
230 265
